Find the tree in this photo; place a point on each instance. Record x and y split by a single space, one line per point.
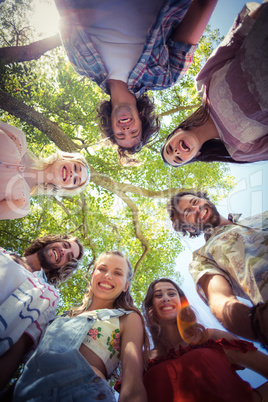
122 207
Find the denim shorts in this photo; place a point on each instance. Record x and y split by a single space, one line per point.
58 372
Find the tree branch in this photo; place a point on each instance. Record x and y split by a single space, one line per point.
33 51
28 114
178 109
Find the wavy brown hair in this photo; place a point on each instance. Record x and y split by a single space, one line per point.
150 124
56 276
196 332
212 150
175 215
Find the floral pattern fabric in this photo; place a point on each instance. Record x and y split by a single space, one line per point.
104 340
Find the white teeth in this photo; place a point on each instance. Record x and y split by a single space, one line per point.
105 285
167 308
55 254
203 213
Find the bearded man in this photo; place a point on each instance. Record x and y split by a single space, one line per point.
232 263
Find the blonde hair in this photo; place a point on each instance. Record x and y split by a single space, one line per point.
49 188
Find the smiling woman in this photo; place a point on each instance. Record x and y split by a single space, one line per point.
231 125
23 175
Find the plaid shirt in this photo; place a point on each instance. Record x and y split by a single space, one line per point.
162 63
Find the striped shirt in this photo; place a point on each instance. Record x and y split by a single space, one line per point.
162 63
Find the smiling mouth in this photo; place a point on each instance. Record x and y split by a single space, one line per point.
184 146
125 121
105 285
56 255
203 215
64 173
167 308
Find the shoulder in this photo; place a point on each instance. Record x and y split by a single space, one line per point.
130 321
216 334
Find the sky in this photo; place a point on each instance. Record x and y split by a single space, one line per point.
249 197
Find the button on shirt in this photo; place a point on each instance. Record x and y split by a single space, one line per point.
239 252
162 63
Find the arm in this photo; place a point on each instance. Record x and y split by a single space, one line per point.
231 313
13 209
195 21
132 389
10 360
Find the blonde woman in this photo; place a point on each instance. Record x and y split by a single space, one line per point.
22 175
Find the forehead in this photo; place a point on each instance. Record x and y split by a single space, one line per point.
113 261
164 286
186 200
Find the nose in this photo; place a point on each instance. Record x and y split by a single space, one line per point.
108 275
73 174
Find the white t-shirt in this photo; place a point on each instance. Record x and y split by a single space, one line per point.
118 29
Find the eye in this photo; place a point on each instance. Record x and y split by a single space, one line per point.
101 269
118 273
75 181
75 167
172 294
65 245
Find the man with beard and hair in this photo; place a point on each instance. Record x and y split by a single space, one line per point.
28 294
233 262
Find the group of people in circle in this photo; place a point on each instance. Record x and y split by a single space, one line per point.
82 348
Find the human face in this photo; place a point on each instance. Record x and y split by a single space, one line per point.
56 255
126 125
182 147
109 278
67 173
197 213
166 301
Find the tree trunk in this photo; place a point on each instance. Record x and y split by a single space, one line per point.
33 51
29 115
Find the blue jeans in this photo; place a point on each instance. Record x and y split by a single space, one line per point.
57 371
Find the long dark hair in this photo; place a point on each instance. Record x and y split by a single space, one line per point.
149 120
195 331
212 150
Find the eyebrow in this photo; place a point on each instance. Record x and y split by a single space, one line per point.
69 247
191 201
122 139
160 290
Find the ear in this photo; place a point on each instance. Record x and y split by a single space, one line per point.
198 153
126 287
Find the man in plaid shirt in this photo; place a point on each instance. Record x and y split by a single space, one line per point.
110 43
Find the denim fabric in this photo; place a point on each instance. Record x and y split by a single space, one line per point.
57 371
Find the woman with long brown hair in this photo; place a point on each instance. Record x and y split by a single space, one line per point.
190 363
232 123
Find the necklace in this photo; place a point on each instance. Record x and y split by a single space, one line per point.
19 166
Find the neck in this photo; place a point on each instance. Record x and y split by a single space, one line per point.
207 131
98 304
120 93
33 262
170 337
